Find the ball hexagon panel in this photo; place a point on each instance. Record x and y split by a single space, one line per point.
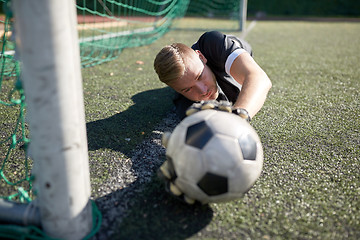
198 135
222 155
247 173
189 163
213 184
227 124
176 140
248 147
245 176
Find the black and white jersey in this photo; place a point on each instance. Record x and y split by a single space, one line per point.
221 50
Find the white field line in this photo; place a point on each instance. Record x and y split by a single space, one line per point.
101 37
113 35
86 26
248 29
124 33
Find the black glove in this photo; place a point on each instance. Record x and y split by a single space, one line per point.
220 106
167 174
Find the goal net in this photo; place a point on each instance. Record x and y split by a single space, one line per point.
105 28
226 15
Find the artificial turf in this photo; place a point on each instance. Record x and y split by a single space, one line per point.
309 128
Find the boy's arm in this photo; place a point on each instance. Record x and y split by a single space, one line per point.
255 83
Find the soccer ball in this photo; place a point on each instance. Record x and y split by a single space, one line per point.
213 156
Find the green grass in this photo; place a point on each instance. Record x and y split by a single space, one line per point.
309 127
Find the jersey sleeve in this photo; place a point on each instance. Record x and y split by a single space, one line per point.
219 49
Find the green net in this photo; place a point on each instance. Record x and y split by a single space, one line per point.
228 9
105 28
15 180
228 15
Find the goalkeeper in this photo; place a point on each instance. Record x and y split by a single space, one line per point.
217 67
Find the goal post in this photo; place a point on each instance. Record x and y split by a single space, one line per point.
47 41
242 15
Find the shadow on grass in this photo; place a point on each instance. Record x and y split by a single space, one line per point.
141 209
154 214
123 131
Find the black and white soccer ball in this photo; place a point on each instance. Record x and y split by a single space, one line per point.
213 156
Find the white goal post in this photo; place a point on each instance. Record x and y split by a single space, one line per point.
242 15
47 41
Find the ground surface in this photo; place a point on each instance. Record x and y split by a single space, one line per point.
309 127
309 188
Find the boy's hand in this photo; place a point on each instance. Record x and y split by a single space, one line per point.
220 106
167 174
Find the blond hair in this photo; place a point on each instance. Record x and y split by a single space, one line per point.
169 63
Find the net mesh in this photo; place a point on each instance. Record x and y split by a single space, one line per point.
105 28
227 13
215 8
15 180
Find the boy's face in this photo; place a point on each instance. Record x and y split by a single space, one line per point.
199 82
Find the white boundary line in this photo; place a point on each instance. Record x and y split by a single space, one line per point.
124 33
248 29
114 35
